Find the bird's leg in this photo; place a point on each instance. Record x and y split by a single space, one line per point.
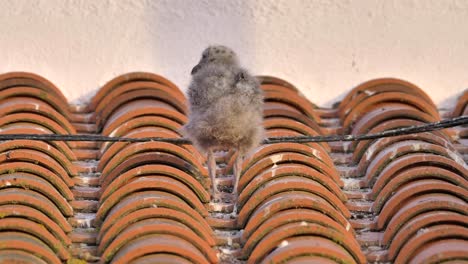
212 172
237 171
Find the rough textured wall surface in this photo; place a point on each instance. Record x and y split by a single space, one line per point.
324 47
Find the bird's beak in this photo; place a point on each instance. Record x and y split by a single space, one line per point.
195 69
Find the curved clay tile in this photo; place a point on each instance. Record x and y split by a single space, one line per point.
266 80
382 113
26 91
285 201
142 89
314 150
279 88
159 183
279 132
261 246
381 157
136 96
157 158
18 256
26 212
419 241
420 222
137 109
33 118
59 150
144 132
12 79
377 169
128 78
296 247
287 123
270 111
286 170
28 104
296 101
43 147
36 201
16 224
284 106
140 200
421 204
357 108
367 147
35 183
28 244
291 183
300 258
108 187
136 148
160 258
157 226
33 128
384 186
382 85
156 243
142 122
58 182
38 157
145 121
201 228
447 251
292 216
287 158
412 189
13 176
460 108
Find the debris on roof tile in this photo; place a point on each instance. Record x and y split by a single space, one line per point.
399 199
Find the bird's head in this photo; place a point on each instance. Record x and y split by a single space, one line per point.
216 54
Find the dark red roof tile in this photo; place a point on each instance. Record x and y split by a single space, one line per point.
427 235
18 256
154 170
160 243
37 201
448 251
148 202
383 85
29 246
293 101
272 110
137 109
140 90
32 105
13 79
384 113
271 80
123 79
315 246
151 147
287 158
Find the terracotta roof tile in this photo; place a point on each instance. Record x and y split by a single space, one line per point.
399 199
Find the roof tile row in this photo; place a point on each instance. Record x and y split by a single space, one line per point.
400 199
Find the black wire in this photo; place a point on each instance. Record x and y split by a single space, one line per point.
457 121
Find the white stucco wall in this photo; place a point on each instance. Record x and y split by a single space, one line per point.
324 47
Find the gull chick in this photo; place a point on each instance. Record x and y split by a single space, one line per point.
226 109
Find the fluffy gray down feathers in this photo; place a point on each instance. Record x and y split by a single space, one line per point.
226 103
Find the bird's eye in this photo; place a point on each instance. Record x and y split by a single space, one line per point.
204 56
